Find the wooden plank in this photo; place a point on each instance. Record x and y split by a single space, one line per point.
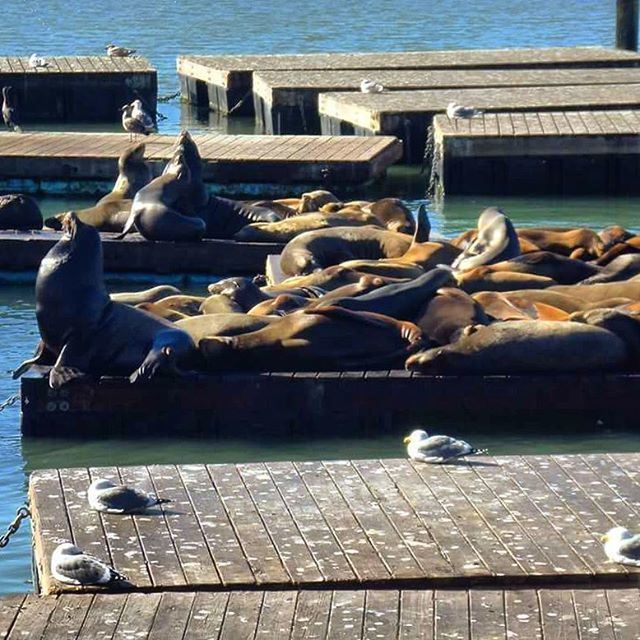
137 615
381 613
9 609
486 615
32 618
451 615
67 618
276 614
103 616
347 614
241 615
557 614
522 615
207 615
592 614
416 614
312 615
624 612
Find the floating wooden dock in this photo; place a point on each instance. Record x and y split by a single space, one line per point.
79 88
571 152
224 82
23 251
391 614
240 164
408 114
319 404
288 102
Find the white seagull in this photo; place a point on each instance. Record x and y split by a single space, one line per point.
71 565
114 51
104 495
622 546
370 86
455 110
425 448
35 62
136 120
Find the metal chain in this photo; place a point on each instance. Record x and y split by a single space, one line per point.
169 97
433 190
21 514
11 400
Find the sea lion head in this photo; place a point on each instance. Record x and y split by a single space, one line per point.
134 154
394 215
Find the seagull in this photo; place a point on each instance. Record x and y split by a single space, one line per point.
425 448
622 546
114 51
9 110
104 495
36 62
71 565
141 122
370 86
455 110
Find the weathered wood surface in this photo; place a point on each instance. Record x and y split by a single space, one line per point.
319 403
23 251
78 88
226 158
577 152
576 614
506 521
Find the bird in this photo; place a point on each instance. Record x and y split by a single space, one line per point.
104 495
370 86
141 122
437 449
114 51
35 62
70 565
455 110
9 110
622 546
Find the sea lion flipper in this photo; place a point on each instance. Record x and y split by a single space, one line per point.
59 376
128 227
41 356
72 363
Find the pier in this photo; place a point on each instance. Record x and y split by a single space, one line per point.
79 88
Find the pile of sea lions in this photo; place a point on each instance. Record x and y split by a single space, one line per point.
495 300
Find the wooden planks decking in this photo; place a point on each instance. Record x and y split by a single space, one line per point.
314 404
79 88
583 152
474 614
500 522
257 163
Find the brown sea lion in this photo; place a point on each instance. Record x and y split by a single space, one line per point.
279 306
393 214
218 303
20 212
148 295
221 324
499 307
621 268
564 241
388 268
483 279
601 291
313 200
525 298
525 347
330 338
161 312
632 245
189 305
613 235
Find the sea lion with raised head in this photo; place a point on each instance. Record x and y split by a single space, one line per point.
20 212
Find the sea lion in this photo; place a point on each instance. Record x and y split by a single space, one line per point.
506 348
613 235
483 279
188 305
162 312
631 245
393 214
279 306
601 291
496 241
221 324
20 212
281 210
314 250
330 338
225 218
621 268
527 297
325 280
388 268
564 241
219 304
498 306
148 295
112 211
447 314
313 200
89 333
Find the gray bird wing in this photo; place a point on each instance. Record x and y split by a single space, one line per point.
444 447
631 548
124 499
85 569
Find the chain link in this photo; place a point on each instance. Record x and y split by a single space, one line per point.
11 400
169 97
21 514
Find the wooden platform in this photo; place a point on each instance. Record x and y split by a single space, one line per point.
545 614
321 404
408 114
225 82
503 522
257 165
79 88
287 102
23 251
571 152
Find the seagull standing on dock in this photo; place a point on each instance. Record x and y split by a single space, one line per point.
114 51
622 546
9 110
136 120
70 565
370 86
35 62
455 110
437 449
106 496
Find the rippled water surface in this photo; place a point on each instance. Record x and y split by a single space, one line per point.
165 29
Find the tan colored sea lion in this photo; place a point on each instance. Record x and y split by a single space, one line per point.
313 200
601 291
189 305
279 306
621 268
161 312
316 340
632 245
483 279
221 324
624 324
148 295
564 241
499 307
613 235
385 268
393 214
525 347
218 303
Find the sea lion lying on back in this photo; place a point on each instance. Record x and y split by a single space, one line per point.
621 268
484 279
565 241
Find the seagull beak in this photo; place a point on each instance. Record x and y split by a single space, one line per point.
604 538
407 440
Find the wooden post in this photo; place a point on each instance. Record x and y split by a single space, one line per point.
627 24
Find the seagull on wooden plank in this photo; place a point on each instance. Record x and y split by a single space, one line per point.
114 51
104 495
437 449
370 86
141 122
36 62
455 110
70 565
622 546
9 110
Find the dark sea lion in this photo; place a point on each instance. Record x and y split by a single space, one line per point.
221 324
447 314
19 212
564 241
314 250
388 268
496 241
621 268
219 304
483 279
148 295
401 300
225 218
632 245
525 347
393 214
112 211
601 291
315 340
89 333
280 209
